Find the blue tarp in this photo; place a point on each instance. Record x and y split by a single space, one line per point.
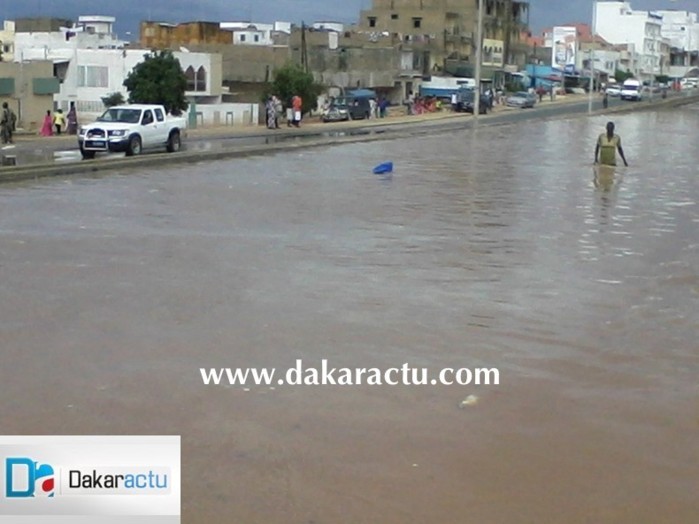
362 93
438 92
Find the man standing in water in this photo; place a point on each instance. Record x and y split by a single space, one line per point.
609 143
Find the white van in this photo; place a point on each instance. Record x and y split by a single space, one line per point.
631 90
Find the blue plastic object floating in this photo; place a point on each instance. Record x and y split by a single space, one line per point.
386 167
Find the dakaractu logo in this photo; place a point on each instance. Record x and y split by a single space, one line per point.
26 478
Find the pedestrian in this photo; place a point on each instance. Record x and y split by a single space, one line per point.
373 108
605 100
297 104
289 113
277 110
454 102
72 120
8 123
59 121
269 108
607 145
383 106
47 127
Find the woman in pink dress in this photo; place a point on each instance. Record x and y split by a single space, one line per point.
47 128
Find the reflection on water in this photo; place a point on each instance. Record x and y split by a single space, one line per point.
501 247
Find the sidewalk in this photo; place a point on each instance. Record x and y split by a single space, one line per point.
311 125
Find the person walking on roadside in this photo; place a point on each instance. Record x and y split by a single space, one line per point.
607 145
269 108
454 102
297 104
605 101
47 126
383 106
59 121
8 122
277 110
72 128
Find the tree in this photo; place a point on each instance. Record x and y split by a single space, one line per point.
292 80
159 79
621 76
113 99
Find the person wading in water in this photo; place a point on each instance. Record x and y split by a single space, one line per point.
608 144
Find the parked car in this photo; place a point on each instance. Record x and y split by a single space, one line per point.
465 101
613 90
348 108
521 99
132 129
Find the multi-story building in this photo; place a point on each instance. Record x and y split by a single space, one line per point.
447 30
617 23
7 41
682 29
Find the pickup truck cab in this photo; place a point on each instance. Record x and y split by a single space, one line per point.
132 129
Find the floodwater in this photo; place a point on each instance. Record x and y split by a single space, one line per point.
494 248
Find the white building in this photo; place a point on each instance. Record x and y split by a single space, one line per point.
682 29
253 33
329 26
617 23
7 41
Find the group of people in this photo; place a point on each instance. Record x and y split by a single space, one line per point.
274 109
56 123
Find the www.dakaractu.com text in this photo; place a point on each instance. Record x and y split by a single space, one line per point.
324 374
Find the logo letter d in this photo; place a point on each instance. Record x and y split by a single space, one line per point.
10 465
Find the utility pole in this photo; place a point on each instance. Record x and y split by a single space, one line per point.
479 47
304 50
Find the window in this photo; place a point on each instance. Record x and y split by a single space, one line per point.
372 21
191 78
394 16
242 38
417 23
201 79
257 38
196 80
159 115
147 118
93 76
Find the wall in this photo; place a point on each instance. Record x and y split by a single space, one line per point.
29 107
7 41
157 35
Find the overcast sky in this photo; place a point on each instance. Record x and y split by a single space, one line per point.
130 12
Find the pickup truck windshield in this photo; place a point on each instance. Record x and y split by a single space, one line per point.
125 116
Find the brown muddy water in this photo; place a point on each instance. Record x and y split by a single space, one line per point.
487 249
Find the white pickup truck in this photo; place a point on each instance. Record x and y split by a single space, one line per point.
132 129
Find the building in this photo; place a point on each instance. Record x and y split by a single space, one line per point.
95 73
28 88
617 23
682 30
7 41
162 35
446 31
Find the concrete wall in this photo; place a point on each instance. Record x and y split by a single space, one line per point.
156 35
30 108
227 114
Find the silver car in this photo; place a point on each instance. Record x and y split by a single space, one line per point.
521 99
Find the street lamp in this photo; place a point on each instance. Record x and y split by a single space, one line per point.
592 57
479 45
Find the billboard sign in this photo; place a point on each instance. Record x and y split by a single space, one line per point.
564 47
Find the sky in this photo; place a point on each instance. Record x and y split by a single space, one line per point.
543 13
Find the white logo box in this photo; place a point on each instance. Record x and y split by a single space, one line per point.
61 479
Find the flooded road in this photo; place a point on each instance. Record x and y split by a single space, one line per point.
496 248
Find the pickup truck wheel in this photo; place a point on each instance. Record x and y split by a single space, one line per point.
174 142
87 155
134 147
